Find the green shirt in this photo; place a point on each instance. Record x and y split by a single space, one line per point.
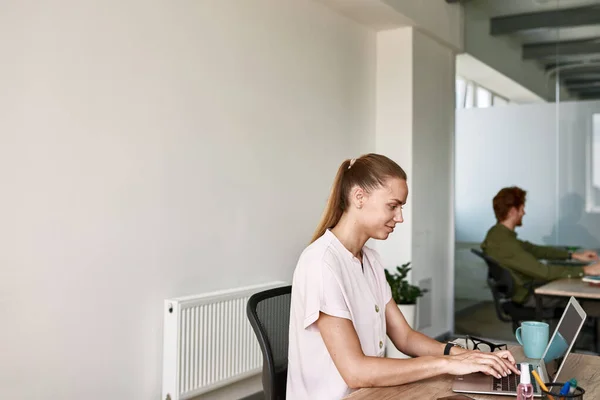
521 259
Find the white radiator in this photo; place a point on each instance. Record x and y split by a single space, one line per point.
208 342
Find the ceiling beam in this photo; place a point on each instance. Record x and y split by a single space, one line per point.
593 91
575 71
584 86
582 80
566 17
570 48
586 96
588 75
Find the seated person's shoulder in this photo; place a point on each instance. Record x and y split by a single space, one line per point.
499 234
497 229
317 255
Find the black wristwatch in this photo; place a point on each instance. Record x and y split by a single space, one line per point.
448 347
570 257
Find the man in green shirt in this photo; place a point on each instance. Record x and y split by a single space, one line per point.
522 258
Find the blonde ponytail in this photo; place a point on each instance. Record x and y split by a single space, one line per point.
368 172
336 204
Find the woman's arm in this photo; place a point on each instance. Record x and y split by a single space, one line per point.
360 371
415 344
409 341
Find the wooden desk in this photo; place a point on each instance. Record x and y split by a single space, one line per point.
569 287
586 369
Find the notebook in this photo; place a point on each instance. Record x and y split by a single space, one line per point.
594 280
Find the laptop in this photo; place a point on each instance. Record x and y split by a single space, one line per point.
548 367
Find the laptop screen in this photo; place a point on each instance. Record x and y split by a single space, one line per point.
563 338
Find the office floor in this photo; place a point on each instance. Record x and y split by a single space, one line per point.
479 319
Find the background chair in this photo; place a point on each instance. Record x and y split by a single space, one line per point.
501 284
269 315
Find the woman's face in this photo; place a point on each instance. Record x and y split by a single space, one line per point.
380 210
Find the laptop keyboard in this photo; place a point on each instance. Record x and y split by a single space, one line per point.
509 383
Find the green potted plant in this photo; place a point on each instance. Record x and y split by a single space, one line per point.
402 291
405 295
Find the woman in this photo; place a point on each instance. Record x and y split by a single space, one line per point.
342 307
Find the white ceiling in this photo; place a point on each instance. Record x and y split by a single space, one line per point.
374 14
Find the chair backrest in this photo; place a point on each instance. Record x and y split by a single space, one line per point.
501 283
500 276
269 315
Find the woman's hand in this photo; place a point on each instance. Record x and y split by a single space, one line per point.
498 364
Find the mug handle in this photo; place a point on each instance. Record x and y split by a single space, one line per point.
518 336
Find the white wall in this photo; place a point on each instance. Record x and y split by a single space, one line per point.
415 120
505 146
548 162
521 145
158 149
575 226
432 184
394 136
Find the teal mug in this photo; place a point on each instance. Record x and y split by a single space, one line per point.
533 336
557 349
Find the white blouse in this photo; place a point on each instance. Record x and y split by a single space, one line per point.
329 279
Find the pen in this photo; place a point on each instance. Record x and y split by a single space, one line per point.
573 383
565 390
539 381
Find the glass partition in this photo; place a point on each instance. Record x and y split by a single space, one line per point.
531 119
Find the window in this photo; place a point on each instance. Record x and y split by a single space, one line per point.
470 95
593 171
484 97
461 92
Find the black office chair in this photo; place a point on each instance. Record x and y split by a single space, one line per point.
269 315
501 284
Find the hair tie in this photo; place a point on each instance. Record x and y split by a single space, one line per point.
352 163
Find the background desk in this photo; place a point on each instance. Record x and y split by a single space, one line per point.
567 263
569 287
586 369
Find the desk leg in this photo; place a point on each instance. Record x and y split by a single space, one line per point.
596 335
592 308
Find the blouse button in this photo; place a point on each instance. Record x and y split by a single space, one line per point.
376 308
380 344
